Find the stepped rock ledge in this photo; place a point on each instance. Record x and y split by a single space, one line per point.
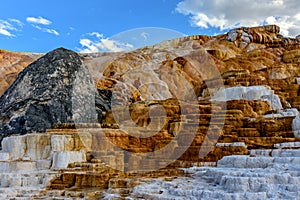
198 117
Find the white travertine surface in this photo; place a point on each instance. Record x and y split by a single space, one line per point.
61 160
28 163
263 93
235 177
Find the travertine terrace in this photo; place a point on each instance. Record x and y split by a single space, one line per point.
221 113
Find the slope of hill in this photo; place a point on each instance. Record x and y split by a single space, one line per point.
128 116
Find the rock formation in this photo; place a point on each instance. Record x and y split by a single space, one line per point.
196 100
263 35
235 177
11 65
54 89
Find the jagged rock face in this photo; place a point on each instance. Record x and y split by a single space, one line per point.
167 70
263 34
54 89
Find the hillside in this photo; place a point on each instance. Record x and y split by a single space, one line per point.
111 120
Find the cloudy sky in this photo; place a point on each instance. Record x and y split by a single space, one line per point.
116 25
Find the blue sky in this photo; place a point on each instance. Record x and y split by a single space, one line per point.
111 25
75 19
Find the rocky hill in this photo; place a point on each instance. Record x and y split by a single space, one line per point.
186 102
42 95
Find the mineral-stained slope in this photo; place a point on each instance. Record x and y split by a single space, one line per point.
10 66
244 83
259 72
190 101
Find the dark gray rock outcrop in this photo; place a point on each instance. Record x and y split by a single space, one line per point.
57 88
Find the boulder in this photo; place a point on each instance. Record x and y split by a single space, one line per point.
57 88
242 37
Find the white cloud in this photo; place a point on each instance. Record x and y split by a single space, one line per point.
18 22
145 35
7 27
71 29
52 31
285 25
297 17
38 20
224 14
46 30
88 46
5 32
102 44
98 35
42 21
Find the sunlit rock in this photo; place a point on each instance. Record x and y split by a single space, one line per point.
61 160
